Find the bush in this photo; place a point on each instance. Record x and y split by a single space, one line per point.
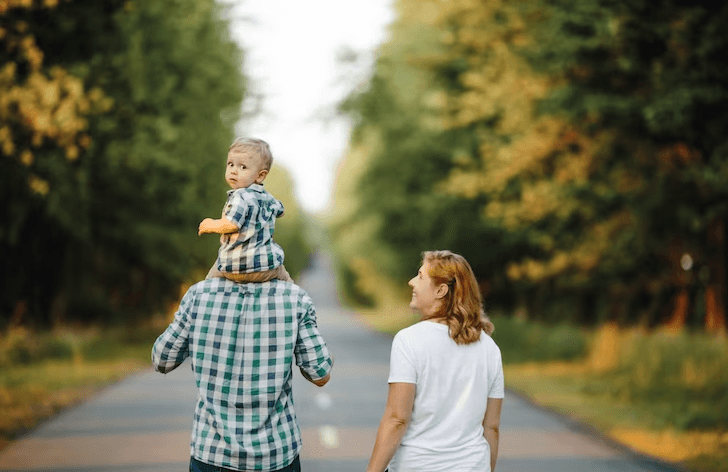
20 346
682 377
523 341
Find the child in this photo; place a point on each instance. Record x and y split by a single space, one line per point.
247 252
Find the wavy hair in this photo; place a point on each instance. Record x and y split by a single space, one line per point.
462 307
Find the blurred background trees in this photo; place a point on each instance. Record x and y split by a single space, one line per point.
115 119
572 151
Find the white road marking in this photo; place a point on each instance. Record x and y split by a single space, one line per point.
329 437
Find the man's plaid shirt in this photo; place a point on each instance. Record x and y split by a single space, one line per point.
254 211
242 340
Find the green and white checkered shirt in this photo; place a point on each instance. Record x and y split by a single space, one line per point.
251 248
242 340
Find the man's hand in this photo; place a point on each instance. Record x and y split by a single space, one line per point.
319 382
206 226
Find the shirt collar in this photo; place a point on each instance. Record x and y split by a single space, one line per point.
255 187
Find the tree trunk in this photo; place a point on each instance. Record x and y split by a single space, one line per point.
679 312
715 321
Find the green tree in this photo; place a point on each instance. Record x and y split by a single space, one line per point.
586 139
394 206
103 218
291 231
649 77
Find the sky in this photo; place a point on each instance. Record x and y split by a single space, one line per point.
301 59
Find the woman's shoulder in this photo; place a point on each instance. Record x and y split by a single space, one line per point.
489 342
422 331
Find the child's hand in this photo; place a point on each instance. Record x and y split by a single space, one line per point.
205 226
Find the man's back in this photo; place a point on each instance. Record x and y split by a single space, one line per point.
243 340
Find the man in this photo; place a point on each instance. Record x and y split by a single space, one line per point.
242 340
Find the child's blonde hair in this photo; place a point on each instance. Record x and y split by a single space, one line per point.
254 146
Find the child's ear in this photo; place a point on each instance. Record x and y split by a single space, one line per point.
261 176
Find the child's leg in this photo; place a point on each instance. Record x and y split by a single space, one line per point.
279 273
248 277
214 273
282 274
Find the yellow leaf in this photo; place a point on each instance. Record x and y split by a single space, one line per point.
26 158
38 185
72 153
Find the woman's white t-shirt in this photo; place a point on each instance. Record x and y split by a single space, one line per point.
453 383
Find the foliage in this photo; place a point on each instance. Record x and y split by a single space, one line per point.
684 376
578 146
389 204
522 341
113 117
291 231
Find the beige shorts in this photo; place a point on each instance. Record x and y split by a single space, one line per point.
279 273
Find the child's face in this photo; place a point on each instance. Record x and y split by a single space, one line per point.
243 169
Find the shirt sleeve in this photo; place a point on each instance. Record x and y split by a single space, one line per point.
239 210
401 362
279 208
311 352
497 389
171 347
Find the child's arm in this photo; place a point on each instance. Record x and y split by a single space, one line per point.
221 226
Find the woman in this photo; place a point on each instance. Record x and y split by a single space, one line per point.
445 379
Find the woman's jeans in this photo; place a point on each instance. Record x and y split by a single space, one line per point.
197 466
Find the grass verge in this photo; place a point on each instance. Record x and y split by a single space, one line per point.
44 373
561 387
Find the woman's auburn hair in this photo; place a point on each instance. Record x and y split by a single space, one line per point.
462 307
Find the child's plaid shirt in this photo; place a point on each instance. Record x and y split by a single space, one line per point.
251 249
242 340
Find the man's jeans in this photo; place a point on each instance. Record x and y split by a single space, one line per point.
197 466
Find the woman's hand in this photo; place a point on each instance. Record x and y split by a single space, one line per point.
491 428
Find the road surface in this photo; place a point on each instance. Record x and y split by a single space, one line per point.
143 423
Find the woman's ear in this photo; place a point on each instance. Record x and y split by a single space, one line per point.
441 291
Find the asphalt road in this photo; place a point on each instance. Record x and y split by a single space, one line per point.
143 423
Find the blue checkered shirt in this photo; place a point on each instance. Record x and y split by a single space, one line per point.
242 340
251 249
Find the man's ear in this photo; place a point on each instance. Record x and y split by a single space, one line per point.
441 291
261 176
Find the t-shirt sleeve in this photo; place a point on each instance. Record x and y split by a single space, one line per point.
401 363
497 389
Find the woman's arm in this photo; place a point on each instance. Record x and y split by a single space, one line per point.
491 427
397 415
